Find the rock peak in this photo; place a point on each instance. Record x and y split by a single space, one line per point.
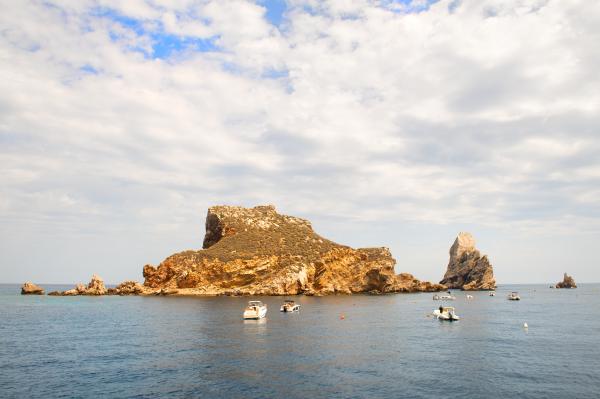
467 269
464 243
568 282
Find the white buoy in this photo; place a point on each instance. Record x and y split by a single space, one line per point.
525 325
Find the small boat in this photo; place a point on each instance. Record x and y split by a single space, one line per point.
289 306
514 296
469 296
492 293
446 313
443 297
255 310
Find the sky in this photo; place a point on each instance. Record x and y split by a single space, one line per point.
385 123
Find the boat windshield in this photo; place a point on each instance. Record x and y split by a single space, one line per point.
255 303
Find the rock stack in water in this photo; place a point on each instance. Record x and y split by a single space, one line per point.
31 289
568 282
257 251
467 269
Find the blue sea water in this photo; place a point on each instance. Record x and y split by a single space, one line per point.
384 347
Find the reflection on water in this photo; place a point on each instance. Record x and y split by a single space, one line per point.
384 346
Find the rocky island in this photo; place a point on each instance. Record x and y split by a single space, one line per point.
257 251
468 269
31 289
568 282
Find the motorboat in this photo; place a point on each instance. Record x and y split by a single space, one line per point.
469 296
289 306
514 296
492 293
437 297
255 310
446 313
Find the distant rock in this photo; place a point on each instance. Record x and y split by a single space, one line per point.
467 269
568 282
257 251
31 289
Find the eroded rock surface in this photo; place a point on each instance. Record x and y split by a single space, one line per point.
31 289
257 251
468 269
568 282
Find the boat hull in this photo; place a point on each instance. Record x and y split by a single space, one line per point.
255 314
287 309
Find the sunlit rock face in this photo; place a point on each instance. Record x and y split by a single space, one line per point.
468 269
257 251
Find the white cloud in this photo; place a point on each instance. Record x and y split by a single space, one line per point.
483 112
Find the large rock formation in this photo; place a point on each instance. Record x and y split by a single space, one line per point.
31 289
256 251
568 282
467 269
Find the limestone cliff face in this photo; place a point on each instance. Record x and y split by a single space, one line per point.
257 251
568 282
467 269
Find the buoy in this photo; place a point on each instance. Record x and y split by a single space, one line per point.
525 325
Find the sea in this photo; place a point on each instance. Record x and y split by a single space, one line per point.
359 346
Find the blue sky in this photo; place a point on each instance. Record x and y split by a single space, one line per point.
392 124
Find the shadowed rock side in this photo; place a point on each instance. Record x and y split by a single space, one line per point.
568 282
256 251
467 269
31 289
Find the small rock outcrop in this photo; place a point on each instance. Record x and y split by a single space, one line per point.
31 289
129 287
568 282
94 287
467 269
257 251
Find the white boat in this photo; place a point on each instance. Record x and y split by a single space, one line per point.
514 296
446 313
492 293
255 310
443 297
289 306
469 296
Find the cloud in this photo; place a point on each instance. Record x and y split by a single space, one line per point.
142 113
